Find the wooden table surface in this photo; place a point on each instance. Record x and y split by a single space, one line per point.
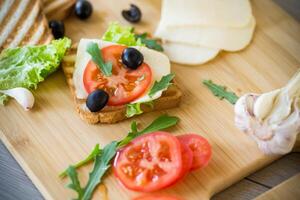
14 184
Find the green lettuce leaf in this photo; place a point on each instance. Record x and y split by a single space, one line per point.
3 99
29 65
121 35
135 108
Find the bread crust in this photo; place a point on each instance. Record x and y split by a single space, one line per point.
24 23
169 99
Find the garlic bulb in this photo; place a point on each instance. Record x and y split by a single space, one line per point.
271 119
22 95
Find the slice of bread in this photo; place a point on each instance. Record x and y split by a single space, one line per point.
21 23
58 9
170 98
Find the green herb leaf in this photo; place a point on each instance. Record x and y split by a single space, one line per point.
163 84
134 127
121 35
130 135
94 51
135 108
221 92
150 43
75 184
96 151
160 123
104 156
102 164
125 35
3 99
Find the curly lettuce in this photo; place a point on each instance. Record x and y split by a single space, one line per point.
29 65
121 35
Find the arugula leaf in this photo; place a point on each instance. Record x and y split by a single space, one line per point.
75 184
96 151
135 108
130 135
133 127
150 43
164 83
94 51
102 164
104 156
160 123
221 92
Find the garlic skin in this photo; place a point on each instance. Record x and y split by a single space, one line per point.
271 119
22 95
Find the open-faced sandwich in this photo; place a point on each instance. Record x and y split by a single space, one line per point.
118 76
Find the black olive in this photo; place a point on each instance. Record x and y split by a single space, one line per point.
58 28
132 58
83 9
97 100
133 15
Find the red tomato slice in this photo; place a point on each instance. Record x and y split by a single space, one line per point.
200 147
124 85
187 159
150 162
156 197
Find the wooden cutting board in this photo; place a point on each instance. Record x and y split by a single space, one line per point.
52 136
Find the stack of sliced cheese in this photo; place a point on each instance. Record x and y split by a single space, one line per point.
195 31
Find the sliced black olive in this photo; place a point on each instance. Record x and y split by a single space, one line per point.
83 9
57 28
97 100
133 15
132 58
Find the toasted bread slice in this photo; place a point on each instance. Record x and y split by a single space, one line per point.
58 9
21 23
112 114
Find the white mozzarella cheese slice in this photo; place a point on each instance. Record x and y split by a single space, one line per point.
226 13
158 62
189 54
160 66
227 38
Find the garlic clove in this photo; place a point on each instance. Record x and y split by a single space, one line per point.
293 86
22 95
270 138
271 119
242 118
281 108
264 104
283 103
